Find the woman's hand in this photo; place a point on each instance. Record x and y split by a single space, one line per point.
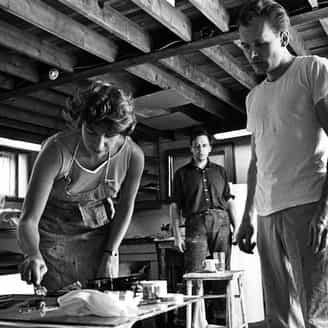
33 269
109 266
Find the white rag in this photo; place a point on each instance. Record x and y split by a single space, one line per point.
87 301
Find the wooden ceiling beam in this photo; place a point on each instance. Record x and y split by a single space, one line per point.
168 16
112 21
215 11
19 134
6 82
50 96
296 42
227 62
18 66
158 76
36 106
219 56
13 113
183 67
222 39
30 45
123 64
309 16
28 127
47 18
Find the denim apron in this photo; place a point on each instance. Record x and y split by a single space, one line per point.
75 225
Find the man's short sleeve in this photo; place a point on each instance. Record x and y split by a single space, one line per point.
250 125
226 191
318 75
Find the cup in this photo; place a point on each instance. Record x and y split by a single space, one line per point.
209 265
153 289
220 257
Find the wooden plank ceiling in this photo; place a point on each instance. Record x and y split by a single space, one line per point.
182 64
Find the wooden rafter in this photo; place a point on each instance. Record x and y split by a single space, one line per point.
19 66
47 18
227 62
180 65
222 39
14 113
111 20
30 45
167 15
297 43
158 76
6 82
215 11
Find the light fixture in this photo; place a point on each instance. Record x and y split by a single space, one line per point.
232 134
53 74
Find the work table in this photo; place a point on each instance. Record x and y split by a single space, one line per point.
11 317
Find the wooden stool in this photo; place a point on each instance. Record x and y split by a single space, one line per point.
228 276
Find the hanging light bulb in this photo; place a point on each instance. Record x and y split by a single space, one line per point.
53 74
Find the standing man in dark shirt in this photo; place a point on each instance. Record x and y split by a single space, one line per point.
201 194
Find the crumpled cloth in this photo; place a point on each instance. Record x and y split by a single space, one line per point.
93 302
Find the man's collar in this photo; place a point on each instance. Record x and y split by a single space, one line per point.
208 164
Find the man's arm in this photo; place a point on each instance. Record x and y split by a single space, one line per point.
319 226
175 217
246 232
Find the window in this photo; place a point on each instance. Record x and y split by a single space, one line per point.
13 172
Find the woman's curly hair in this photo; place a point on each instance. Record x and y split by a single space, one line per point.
101 103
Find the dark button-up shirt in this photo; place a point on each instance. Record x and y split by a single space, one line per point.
196 190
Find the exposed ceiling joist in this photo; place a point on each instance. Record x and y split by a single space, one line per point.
35 106
19 66
28 127
192 46
112 21
50 96
157 76
6 82
13 113
181 66
297 43
47 18
167 15
226 61
30 45
215 11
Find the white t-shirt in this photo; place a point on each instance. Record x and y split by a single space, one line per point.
290 145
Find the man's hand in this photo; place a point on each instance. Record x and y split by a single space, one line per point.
246 237
318 230
33 269
179 244
109 266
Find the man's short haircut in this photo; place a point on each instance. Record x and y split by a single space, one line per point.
274 13
200 132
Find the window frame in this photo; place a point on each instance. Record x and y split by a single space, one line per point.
17 152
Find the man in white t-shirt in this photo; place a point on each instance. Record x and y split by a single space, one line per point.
287 115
